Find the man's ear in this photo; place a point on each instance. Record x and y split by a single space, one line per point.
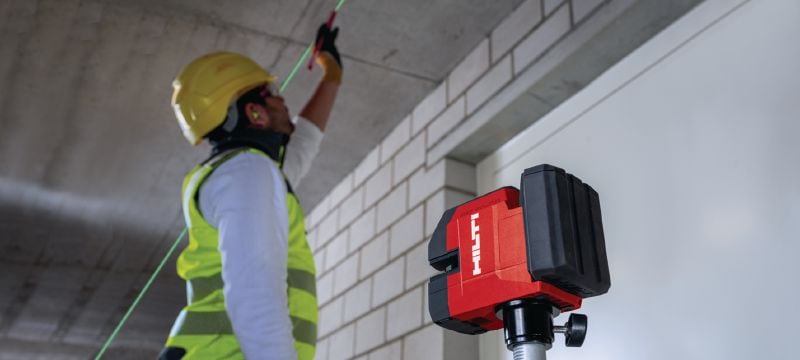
256 115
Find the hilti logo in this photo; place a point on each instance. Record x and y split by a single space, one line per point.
476 246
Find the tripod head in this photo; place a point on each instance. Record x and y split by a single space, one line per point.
514 259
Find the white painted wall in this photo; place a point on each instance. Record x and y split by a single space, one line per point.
692 143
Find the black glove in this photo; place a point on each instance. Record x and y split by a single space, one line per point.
328 39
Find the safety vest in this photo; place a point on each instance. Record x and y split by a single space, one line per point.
203 328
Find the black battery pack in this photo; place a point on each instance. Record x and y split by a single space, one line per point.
564 231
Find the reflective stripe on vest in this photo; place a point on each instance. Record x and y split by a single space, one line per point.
203 327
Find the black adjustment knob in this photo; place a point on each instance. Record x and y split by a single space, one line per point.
576 330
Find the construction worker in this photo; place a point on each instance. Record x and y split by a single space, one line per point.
249 270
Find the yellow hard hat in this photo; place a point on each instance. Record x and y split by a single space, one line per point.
207 86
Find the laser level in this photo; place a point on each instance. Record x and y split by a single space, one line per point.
515 259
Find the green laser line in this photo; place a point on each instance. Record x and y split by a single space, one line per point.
141 294
296 67
339 5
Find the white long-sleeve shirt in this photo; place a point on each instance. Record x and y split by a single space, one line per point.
245 199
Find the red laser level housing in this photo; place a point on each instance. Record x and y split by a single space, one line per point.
544 242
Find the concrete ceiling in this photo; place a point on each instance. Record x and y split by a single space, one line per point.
91 159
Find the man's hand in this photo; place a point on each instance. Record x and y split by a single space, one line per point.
328 39
328 57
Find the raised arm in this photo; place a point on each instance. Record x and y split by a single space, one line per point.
318 108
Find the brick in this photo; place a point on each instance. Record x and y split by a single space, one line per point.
428 108
404 314
542 38
370 330
447 172
341 190
514 27
351 208
336 250
396 139
551 5
426 315
388 282
392 207
374 255
378 185
437 204
341 344
582 8
393 351
427 343
357 300
330 317
407 232
409 158
345 275
366 167
489 84
319 212
328 227
319 261
446 121
312 238
325 288
466 72
418 270
362 229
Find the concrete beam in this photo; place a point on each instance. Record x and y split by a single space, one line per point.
618 28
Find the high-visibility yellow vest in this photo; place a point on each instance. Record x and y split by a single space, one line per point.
203 328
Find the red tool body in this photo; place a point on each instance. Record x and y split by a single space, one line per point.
503 265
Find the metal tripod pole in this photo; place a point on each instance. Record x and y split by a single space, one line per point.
530 351
529 329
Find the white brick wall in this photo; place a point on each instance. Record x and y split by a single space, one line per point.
341 344
374 255
393 351
582 8
489 84
427 343
429 108
550 5
366 167
404 313
370 330
396 139
468 70
345 275
362 229
392 207
370 233
406 232
378 185
409 158
546 35
508 33
388 282
336 251
357 301
446 121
